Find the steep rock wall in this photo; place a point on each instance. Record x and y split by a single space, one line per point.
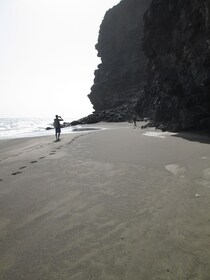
156 62
120 77
177 44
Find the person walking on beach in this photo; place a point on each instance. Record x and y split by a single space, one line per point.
134 120
57 127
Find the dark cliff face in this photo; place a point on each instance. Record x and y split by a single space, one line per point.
121 75
177 44
155 61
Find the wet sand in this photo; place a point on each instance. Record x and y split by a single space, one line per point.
120 203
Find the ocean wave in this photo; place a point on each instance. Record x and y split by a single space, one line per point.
24 127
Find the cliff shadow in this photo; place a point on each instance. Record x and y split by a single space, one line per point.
195 136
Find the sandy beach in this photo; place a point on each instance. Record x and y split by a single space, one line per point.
121 203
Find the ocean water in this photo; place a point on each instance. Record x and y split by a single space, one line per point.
27 127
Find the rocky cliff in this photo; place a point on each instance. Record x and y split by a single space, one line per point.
177 44
155 60
120 78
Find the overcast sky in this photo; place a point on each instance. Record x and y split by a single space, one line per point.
48 56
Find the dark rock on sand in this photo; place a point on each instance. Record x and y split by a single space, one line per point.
117 114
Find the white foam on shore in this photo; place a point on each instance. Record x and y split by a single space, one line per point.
158 134
13 128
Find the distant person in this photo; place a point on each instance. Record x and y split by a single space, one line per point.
57 127
134 120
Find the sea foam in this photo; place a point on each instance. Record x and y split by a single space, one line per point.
25 127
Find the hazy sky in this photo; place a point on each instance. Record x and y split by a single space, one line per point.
48 56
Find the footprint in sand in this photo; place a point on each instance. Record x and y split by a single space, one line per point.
15 173
22 167
34 161
41 157
1 180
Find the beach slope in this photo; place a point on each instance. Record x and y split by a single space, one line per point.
120 203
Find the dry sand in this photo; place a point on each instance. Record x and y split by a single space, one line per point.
120 203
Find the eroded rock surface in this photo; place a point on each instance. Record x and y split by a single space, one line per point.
155 63
120 77
177 43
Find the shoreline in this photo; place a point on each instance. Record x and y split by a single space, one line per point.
116 203
194 135
65 130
